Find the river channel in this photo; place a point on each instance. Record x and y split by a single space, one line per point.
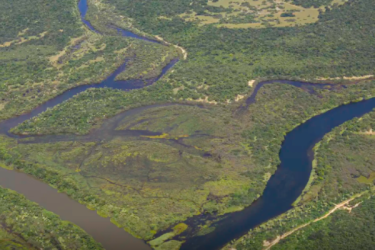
282 189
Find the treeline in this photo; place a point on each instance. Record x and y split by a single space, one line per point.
47 51
344 167
83 112
312 3
342 230
340 44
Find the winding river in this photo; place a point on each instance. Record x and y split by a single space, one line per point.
282 189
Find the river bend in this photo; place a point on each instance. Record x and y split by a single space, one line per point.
282 189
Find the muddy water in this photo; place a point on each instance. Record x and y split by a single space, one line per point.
101 229
281 191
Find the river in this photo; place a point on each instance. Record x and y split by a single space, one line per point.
282 189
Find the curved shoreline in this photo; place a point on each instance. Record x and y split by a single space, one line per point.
281 191
289 180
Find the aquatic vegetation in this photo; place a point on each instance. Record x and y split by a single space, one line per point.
219 168
208 160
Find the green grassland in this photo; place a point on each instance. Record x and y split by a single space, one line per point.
256 14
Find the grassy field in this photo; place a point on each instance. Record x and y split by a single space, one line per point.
257 14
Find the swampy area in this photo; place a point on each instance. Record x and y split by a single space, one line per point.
125 127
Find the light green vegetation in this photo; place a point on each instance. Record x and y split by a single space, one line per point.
205 161
256 14
367 180
343 167
221 61
25 225
48 51
150 183
90 108
350 227
148 62
182 121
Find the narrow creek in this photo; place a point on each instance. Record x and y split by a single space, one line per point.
282 189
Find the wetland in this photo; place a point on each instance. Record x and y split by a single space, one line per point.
174 172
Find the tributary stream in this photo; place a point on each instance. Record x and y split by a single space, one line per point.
282 189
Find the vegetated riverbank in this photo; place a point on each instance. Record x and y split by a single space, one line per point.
26 225
222 60
290 88
65 56
343 168
168 242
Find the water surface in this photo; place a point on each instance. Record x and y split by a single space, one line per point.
282 189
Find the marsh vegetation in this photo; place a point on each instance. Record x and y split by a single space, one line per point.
196 161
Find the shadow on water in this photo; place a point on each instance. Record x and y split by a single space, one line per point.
282 189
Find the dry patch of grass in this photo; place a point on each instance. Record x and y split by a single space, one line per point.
257 14
98 59
22 40
2 105
251 83
205 100
351 78
183 51
55 58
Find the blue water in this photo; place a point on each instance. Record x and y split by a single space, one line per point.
83 7
109 82
288 182
282 189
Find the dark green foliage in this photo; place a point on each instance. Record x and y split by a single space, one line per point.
311 3
341 43
342 230
287 15
39 16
